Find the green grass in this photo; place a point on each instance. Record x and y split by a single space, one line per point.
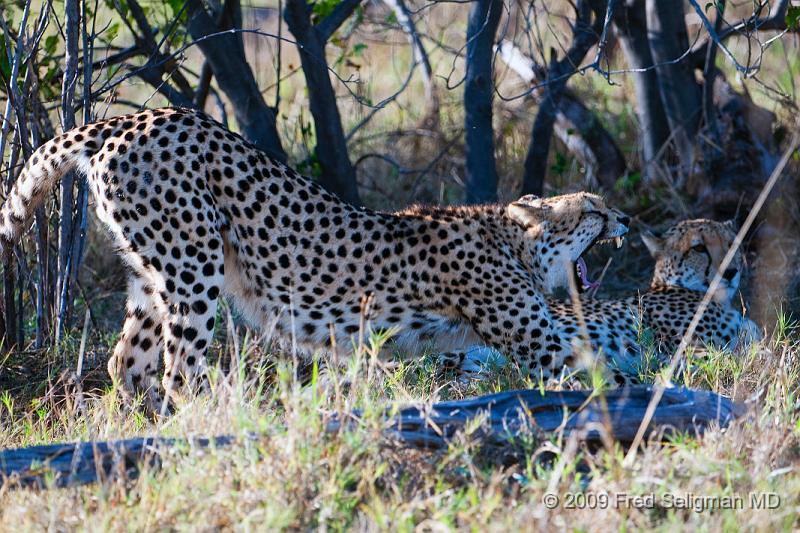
297 476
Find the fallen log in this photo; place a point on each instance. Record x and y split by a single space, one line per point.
617 413
507 415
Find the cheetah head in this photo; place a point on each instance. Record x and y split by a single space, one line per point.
560 230
689 254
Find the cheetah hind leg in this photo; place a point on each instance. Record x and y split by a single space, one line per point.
190 309
134 362
187 336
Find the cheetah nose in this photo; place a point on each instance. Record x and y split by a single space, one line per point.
730 273
625 220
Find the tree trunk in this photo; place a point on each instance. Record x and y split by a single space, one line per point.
481 178
338 174
631 28
72 29
680 93
235 77
541 134
583 134
158 66
585 35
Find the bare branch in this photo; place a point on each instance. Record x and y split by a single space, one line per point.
746 71
158 66
679 90
585 35
420 56
774 22
65 260
630 24
203 86
114 59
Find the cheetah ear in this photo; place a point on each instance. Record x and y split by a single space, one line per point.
731 225
653 243
527 211
529 199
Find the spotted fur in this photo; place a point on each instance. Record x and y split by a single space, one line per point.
687 256
196 210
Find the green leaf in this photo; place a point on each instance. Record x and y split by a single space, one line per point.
176 6
628 182
322 9
123 6
793 17
561 164
50 44
112 31
358 49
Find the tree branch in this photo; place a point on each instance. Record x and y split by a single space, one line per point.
421 57
630 25
157 65
776 21
679 90
65 259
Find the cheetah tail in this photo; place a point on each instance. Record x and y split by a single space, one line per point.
69 151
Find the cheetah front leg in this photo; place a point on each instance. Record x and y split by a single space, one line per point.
472 362
521 328
134 362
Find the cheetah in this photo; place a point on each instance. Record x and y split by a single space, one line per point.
195 211
687 257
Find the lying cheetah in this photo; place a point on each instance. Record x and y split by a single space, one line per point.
687 256
195 210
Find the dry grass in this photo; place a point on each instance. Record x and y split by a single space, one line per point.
296 476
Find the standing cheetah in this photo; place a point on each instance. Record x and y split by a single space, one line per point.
196 210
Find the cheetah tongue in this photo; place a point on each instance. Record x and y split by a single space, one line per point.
583 274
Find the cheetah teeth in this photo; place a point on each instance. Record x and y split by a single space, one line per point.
617 241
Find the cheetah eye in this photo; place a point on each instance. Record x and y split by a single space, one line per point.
700 248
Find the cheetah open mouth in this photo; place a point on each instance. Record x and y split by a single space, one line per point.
583 281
